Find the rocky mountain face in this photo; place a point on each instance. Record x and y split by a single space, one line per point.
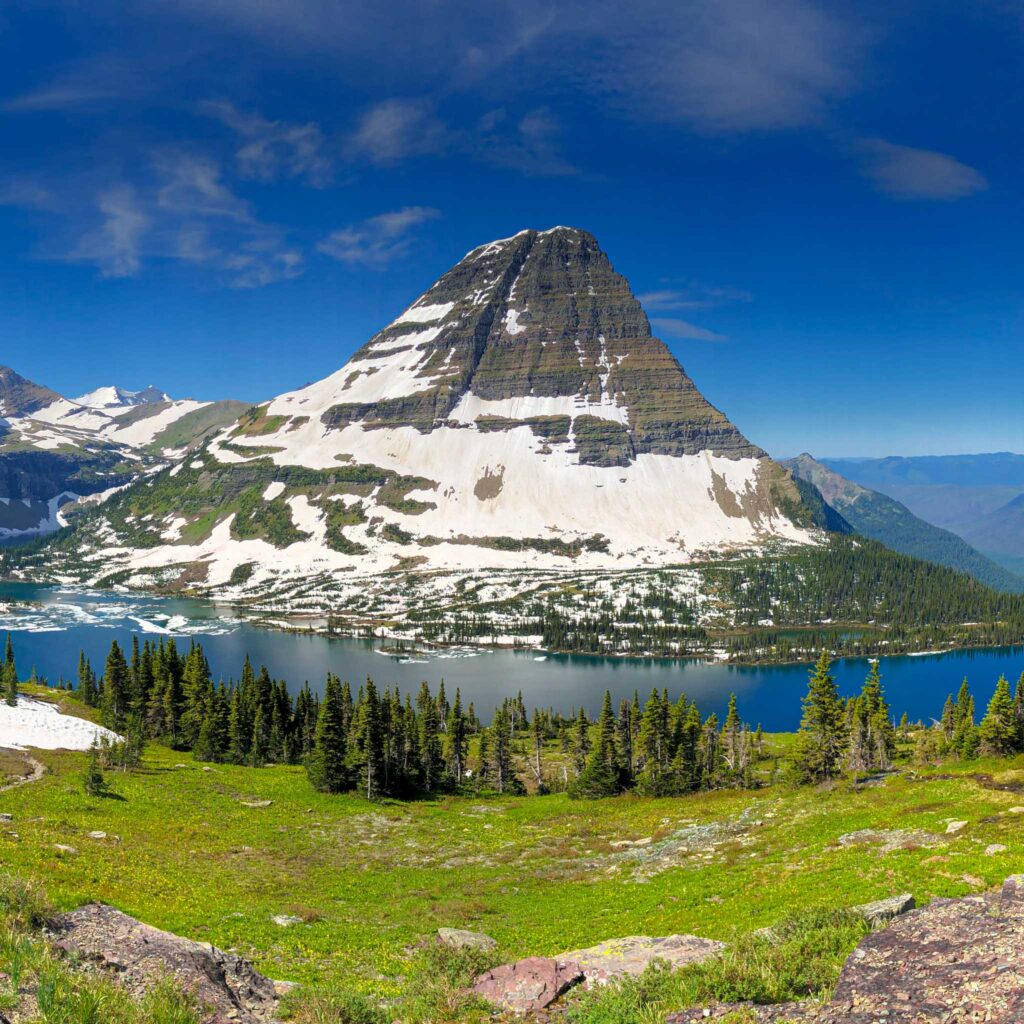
886 520
54 452
518 414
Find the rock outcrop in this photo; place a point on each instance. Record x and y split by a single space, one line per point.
137 954
955 960
620 958
528 985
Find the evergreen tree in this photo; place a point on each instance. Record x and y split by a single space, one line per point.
431 755
9 673
965 733
581 741
365 757
455 741
998 733
821 742
602 774
115 689
502 770
326 765
93 780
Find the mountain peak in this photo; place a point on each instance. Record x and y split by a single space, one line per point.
538 324
113 397
20 396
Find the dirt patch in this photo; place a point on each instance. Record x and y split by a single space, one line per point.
490 484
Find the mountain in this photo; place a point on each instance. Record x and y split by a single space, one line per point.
1000 533
971 495
54 452
518 415
118 398
886 520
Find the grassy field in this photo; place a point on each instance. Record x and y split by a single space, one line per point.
200 851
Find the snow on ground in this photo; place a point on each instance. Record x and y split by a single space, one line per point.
143 431
34 723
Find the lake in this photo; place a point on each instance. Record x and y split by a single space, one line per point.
51 634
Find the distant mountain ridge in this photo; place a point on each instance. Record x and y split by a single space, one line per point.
55 451
973 496
886 520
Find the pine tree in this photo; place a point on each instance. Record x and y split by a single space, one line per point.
998 732
9 674
821 742
326 765
365 758
431 756
115 689
581 741
455 741
602 775
502 770
259 747
93 780
965 733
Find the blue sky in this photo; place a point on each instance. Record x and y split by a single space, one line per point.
820 204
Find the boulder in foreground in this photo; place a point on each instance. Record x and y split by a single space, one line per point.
953 960
461 938
528 985
138 955
632 955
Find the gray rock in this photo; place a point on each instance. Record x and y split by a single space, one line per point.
955 826
6 817
993 849
880 912
619 958
65 851
286 920
138 955
459 938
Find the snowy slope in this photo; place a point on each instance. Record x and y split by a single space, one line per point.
54 450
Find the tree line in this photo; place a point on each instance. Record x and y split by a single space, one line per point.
381 743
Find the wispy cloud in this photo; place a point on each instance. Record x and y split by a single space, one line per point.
397 129
673 327
179 209
725 67
29 195
192 186
114 246
907 173
377 241
692 296
532 145
97 79
274 149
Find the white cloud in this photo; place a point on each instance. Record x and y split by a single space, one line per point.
192 186
673 327
115 245
378 241
397 129
907 173
274 149
693 296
